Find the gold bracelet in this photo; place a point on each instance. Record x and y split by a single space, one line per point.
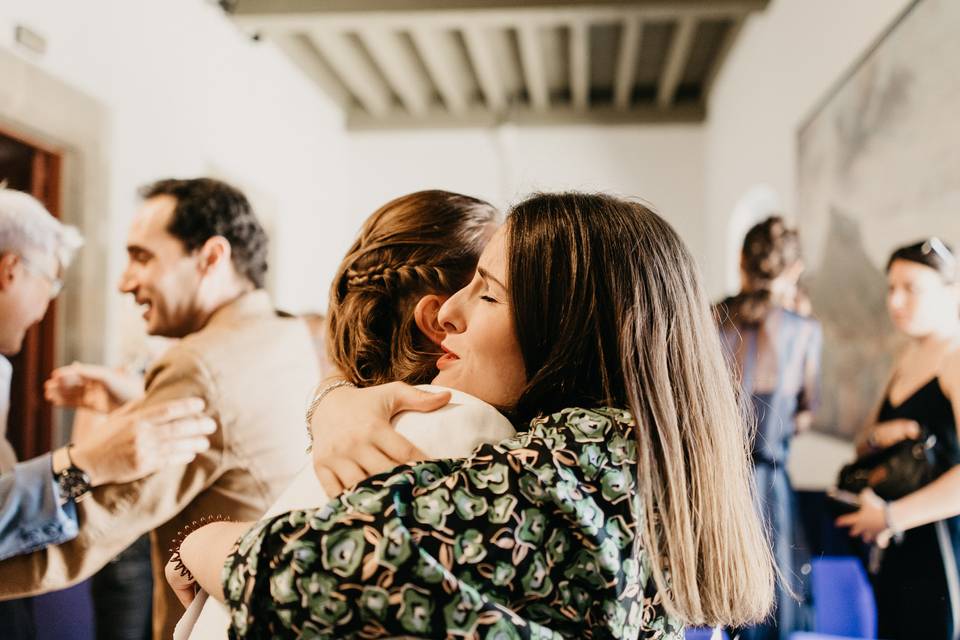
318 397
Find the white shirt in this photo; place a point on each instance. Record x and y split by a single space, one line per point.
7 456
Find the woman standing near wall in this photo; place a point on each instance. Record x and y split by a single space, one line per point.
918 583
776 353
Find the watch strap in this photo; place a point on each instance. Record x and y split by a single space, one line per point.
73 481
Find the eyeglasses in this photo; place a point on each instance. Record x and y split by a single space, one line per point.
935 245
56 284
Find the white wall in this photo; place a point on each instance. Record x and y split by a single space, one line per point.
188 94
784 62
712 181
661 164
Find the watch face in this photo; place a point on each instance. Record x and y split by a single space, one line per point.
73 482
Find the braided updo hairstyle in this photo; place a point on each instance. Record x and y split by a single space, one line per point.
769 248
419 244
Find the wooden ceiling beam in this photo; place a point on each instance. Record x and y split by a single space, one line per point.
305 56
677 57
626 71
544 17
534 71
580 64
254 7
488 75
400 67
358 52
355 70
438 50
525 115
723 51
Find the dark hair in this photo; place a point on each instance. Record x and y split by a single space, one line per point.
609 311
423 243
207 208
933 253
769 249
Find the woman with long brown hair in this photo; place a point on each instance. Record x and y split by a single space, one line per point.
609 516
775 353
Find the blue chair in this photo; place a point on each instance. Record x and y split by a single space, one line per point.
843 605
811 635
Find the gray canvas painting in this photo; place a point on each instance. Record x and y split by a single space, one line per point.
879 167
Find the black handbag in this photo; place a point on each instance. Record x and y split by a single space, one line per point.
895 471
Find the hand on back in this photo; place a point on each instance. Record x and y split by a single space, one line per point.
353 437
135 442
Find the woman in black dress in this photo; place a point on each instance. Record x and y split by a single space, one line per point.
776 355
917 585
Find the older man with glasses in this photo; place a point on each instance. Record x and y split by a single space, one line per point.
56 284
37 496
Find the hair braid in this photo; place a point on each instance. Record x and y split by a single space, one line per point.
420 244
391 277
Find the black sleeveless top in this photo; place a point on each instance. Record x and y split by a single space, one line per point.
917 587
932 410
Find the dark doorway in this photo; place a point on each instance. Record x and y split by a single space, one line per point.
36 170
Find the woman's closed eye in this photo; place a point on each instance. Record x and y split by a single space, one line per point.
487 298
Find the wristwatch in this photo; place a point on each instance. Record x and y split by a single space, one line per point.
73 481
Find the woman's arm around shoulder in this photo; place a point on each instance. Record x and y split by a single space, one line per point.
543 521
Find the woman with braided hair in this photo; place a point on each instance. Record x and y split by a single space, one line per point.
775 352
410 256
622 509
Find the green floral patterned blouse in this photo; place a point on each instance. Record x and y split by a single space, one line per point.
530 538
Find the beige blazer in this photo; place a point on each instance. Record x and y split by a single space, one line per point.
256 371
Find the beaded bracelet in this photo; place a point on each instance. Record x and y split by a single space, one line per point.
182 535
318 397
179 567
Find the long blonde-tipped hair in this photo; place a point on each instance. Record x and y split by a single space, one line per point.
621 319
419 244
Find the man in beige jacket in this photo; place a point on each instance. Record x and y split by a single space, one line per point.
197 260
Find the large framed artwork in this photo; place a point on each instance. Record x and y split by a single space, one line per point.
879 167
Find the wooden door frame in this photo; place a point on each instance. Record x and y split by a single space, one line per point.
30 420
47 113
